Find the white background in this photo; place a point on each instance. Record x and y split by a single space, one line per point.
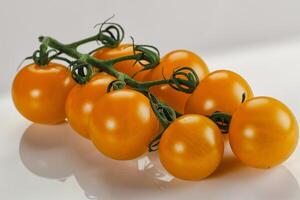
259 39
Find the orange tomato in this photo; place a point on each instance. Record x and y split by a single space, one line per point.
221 90
81 100
173 60
263 132
122 124
128 67
39 92
191 148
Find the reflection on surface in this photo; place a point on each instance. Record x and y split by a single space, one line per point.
56 152
44 152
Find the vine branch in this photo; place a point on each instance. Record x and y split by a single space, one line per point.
183 79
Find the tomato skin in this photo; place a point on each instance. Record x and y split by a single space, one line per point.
191 148
123 124
81 100
174 60
128 67
263 132
39 92
221 90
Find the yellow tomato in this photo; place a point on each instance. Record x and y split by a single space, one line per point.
123 124
192 147
81 100
263 132
221 90
39 92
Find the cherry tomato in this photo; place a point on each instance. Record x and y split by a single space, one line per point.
173 60
191 148
221 90
81 100
263 132
128 67
123 124
39 92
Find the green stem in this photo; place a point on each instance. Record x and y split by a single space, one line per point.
89 39
129 57
70 51
84 41
105 65
149 84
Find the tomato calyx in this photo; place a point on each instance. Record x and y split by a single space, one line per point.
110 34
164 112
166 116
150 56
184 79
81 71
116 85
43 56
222 120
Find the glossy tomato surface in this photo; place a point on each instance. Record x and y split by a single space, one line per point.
129 67
39 92
221 90
81 100
263 132
123 124
191 148
171 61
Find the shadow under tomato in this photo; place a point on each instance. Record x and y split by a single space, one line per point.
229 164
57 152
44 151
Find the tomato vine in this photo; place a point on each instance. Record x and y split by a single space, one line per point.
110 35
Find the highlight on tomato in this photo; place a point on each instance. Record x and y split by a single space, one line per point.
263 132
221 90
170 62
191 148
129 67
122 124
81 100
39 92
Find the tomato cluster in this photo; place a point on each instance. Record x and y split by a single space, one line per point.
122 123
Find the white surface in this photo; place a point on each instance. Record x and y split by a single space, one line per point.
258 39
